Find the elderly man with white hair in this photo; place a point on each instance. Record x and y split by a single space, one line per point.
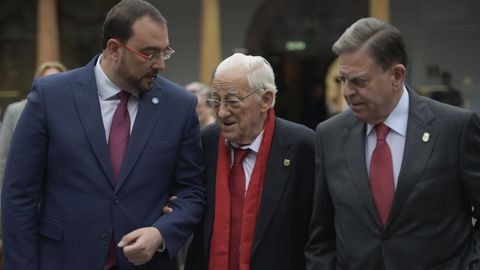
258 174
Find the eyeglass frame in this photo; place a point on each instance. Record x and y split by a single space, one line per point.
228 103
165 53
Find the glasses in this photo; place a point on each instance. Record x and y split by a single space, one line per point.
231 103
164 54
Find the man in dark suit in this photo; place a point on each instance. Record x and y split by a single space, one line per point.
96 153
397 174
258 209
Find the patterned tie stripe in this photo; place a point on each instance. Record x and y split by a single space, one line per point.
117 146
237 197
381 174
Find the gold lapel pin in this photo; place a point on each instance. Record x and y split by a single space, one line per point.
286 162
425 137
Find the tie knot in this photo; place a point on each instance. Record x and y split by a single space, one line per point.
123 95
239 154
382 131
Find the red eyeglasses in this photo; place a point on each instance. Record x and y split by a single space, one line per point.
164 54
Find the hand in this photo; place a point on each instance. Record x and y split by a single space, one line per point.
167 209
140 245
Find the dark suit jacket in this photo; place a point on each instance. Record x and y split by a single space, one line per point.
60 199
429 225
281 230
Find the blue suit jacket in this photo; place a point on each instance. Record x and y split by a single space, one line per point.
60 199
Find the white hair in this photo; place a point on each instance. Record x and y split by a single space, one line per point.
260 74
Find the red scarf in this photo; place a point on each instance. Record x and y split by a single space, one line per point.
221 226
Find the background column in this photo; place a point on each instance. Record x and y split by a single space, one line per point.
47 32
210 48
380 9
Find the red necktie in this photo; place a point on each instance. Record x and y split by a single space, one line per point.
119 133
381 173
237 196
117 146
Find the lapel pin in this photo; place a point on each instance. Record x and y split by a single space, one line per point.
155 100
425 137
286 162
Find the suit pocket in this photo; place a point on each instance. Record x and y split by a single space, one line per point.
51 228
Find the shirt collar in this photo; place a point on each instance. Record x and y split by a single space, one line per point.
106 88
254 146
397 120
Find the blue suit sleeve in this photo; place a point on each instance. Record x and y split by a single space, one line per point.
188 186
24 178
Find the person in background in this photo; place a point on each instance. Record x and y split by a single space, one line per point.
10 119
13 111
205 117
259 172
95 155
1 117
449 95
205 113
397 174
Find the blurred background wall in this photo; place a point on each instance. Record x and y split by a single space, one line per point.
294 35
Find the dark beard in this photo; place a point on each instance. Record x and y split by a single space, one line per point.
134 83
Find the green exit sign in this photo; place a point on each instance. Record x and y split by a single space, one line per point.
295 45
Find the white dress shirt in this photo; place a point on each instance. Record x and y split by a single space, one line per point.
107 95
249 161
397 122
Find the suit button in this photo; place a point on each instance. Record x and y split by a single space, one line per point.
116 200
106 236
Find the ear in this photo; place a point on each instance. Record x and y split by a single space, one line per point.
398 74
267 100
113 48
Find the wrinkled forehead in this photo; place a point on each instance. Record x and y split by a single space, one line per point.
354 63
233 82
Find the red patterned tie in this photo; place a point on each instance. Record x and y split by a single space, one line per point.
117 146
237 196
381 173
119 133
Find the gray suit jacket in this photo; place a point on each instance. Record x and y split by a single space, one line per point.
281 230
429 225
12 113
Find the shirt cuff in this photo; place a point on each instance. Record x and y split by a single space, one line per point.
162 246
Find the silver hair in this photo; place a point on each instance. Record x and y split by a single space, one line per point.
260 74
382 41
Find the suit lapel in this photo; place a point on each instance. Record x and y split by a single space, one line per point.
150 105
354 152
84 92
276 178
416 153
85 96
211 156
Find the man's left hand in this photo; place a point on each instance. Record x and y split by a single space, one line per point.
140 245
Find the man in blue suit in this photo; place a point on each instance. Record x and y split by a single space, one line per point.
72 199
